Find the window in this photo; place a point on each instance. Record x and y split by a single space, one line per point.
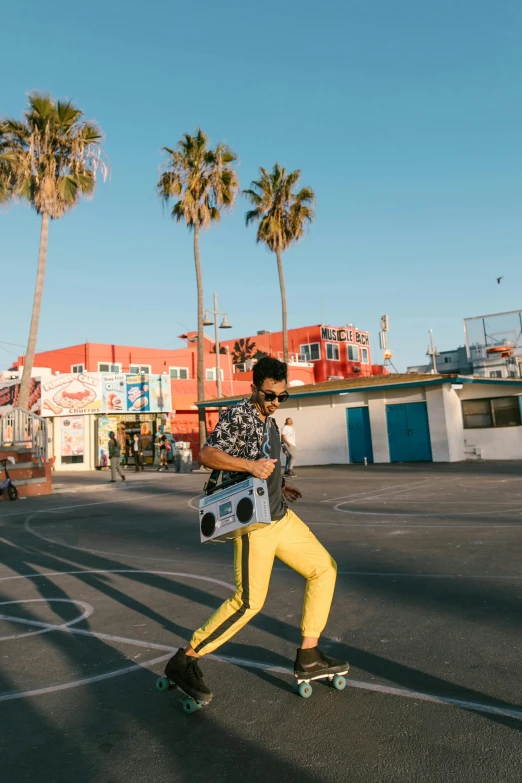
353 353
495 374
506 411
77 368
448 359
179 373
210 374
311 351
332 352
497 412
139 369
364 355
477 413
109 367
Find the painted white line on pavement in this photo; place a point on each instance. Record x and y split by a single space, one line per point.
85 505
191 502
447 525
45 627
435 514
425 576
285 568
29 529
401 692
87 681
116 571
391 487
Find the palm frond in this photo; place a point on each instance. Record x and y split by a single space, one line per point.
201 177
54 155
282 213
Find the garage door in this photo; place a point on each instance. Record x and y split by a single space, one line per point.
408 432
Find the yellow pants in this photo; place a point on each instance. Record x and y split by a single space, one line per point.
291 541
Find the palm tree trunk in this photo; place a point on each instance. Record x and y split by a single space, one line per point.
283 304
201 343
23 397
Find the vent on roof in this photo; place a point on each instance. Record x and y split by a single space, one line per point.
264 331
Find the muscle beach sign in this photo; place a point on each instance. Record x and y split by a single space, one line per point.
345 335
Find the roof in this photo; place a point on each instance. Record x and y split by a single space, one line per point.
398 381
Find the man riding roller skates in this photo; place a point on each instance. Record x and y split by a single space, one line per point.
246 440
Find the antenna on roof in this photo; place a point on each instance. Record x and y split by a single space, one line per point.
433 351
383 342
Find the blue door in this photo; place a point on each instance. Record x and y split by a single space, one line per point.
359 434
408 432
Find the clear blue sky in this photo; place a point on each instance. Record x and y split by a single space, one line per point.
405 117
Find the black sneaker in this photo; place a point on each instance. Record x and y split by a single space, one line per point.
314 663
185 672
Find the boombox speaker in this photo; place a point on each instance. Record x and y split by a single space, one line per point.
234 510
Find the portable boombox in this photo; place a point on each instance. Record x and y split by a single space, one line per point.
234 510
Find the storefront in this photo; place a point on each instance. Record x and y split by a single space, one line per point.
82 408
146 425
85 407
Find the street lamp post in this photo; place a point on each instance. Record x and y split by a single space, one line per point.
223 325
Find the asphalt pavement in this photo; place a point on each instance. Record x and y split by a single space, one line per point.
100 583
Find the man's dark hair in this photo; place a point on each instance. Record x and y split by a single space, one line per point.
267 367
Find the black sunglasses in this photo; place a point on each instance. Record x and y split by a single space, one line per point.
271 396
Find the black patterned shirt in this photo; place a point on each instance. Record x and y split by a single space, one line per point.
241 433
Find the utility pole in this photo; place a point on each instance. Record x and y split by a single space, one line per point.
223 325
218 368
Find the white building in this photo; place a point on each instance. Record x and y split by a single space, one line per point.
404 418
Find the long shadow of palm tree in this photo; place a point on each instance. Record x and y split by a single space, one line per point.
404 676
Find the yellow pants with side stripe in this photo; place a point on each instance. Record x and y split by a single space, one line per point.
292 542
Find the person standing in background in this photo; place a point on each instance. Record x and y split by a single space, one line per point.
115 458
137 453
163 446
288 437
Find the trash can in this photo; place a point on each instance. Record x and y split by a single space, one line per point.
185 457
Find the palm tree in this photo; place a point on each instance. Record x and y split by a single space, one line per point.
243 350
282 214
202 184
52 157
6 174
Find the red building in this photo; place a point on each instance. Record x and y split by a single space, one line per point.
334 352
317 353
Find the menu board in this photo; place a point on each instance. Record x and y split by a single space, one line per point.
73 442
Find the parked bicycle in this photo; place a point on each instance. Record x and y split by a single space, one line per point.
7 485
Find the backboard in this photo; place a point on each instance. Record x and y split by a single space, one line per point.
495 335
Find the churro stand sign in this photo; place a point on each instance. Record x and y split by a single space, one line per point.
71 393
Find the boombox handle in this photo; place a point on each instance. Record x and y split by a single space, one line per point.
212 484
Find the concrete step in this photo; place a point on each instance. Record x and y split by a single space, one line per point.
25 470
19 455
31 485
